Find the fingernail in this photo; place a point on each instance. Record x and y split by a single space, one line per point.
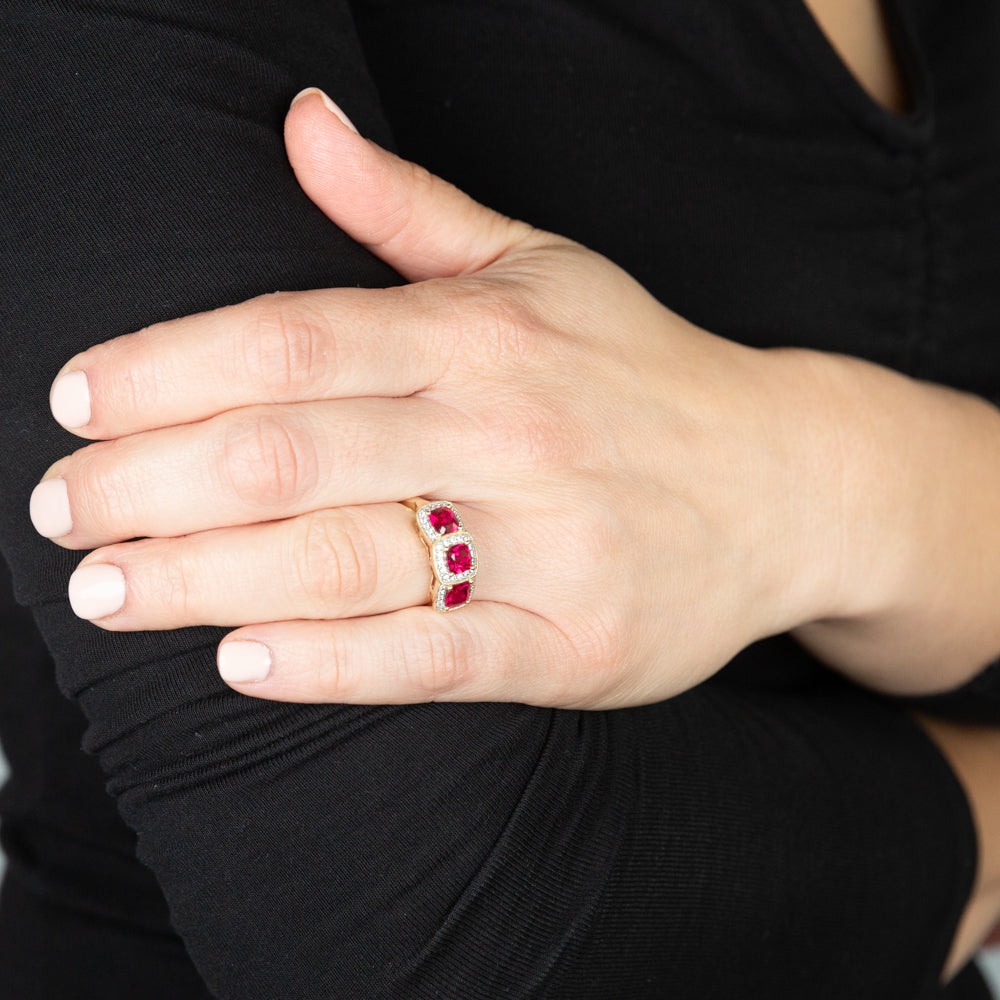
49 508
70 400
96 591
330 106
242 661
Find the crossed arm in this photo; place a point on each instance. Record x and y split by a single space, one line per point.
589 432
156 770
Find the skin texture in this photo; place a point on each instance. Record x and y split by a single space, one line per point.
713 479
857 29
749 487
316 411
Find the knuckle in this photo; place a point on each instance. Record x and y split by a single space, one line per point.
512 330
593 538
595 667
163 576
436 662
504 329
106 495
138 389
480 321
337 676
282 346
268 462
173 582
600 643
532 435
383 176
420 182
334 562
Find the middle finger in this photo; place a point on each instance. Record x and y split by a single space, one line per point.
253 464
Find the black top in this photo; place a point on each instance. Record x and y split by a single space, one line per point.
776 832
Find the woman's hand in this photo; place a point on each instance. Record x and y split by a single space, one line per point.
646 498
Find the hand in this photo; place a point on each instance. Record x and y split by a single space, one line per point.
645 497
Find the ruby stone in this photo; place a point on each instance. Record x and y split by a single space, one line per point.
457 596
459 558
443 520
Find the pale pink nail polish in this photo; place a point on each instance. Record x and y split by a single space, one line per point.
70 400
96 591
49 508
242 661
330 105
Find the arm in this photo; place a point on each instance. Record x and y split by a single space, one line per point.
358 851
768 490
915 551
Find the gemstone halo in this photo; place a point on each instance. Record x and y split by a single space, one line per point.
453 557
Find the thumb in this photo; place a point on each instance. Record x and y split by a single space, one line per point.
417 223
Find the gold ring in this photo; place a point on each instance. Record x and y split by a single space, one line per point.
452 552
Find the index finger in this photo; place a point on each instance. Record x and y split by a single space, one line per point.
279 348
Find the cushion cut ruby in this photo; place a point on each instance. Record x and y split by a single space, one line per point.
457 596
459 558
443 520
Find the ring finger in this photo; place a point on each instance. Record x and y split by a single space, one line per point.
336 563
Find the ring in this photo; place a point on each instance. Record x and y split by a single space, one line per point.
452 552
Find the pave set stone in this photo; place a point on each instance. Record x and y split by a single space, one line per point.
453 555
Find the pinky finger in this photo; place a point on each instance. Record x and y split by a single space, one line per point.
486 652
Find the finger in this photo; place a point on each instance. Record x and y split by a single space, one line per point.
485 652
333 563
303 345
286 347
416 222
249 465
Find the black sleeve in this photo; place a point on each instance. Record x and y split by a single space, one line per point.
737 840
977 701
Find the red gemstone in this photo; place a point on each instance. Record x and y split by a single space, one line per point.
443 520
457 596
459 558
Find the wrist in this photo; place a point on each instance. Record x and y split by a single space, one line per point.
815 473
911 539
857 482
860 440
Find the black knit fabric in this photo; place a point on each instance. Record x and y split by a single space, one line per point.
776 832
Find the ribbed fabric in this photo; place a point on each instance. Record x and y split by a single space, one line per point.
776 832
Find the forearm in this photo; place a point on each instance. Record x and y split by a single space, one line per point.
912 553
